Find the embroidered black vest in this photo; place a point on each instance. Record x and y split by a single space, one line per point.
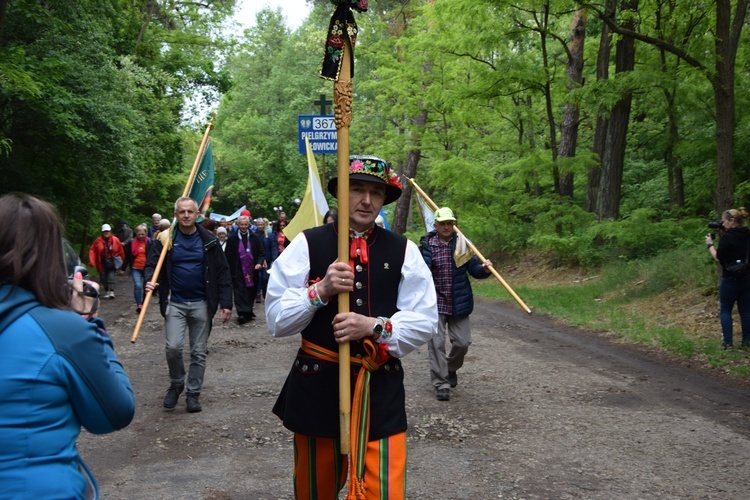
308 403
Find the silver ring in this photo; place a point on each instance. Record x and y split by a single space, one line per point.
343 280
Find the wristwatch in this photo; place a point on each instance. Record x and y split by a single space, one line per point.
377 330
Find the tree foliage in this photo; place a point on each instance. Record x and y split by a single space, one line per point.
499 109
93 123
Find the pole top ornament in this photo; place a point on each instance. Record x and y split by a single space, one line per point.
342 27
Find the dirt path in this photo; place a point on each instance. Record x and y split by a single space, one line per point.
541 411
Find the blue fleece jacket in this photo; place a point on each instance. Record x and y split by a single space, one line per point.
58 372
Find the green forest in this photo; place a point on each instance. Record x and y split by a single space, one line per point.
585 132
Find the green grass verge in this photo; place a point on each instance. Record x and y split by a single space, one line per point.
614 299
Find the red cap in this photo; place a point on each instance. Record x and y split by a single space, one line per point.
246 213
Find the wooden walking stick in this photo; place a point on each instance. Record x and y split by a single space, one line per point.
473 249
342 98
166 246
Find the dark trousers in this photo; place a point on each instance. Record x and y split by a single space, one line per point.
244 298
731 291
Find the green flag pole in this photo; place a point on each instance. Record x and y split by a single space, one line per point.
165 248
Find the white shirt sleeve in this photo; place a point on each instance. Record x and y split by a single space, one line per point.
288 309
416 320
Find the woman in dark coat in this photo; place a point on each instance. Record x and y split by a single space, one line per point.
734 247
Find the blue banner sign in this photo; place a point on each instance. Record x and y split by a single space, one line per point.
320 131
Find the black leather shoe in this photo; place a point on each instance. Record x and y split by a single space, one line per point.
193 405
452 379
241 320
173 394
443 394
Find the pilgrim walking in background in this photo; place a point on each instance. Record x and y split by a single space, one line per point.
194 281
139 249
455 300
246 257
104 255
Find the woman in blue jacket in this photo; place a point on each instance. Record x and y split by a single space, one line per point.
58 369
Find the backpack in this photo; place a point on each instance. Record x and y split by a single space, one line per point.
740 268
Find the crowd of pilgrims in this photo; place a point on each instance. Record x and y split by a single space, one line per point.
132 245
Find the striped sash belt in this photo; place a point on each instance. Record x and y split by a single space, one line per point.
360 419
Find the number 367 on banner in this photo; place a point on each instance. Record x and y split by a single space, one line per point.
320 130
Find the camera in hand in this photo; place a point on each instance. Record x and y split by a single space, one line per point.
716 224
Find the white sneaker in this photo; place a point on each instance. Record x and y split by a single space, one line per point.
112 294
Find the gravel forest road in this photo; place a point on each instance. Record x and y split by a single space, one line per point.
542 410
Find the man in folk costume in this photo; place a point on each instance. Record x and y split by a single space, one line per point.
246 257
392 312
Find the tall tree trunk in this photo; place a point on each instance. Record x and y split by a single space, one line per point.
675 183
614 151
3 8
542 29
403 205
569 124
727 40
602 121
674 170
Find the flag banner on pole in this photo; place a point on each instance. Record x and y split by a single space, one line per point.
203 184
463 252
229 218
314 204
428 216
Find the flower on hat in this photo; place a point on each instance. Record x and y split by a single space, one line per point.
357 166
393 180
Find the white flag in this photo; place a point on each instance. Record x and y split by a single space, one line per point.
314 204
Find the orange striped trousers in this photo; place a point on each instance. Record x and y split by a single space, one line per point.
320 470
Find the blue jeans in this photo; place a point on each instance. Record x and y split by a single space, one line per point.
262 282
734 290
191 316
137 285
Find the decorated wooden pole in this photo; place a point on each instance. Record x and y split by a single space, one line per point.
165 248
338 66
342 97
473 249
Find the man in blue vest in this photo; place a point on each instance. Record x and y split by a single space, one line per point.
392 311
454 299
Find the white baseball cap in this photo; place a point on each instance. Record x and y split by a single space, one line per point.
106 227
